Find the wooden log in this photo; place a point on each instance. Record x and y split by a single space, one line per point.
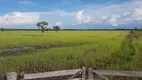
76 79
90 74
21 76
51 74
119 73
11 76
79 72
83 73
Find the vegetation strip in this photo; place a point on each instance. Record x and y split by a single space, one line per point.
125 59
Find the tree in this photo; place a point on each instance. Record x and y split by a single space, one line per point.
2 29
48 29
56 28
135 28
42 26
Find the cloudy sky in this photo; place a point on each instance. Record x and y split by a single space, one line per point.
82 14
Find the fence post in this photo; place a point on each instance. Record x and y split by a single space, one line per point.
11 76
21 76
83 73
90 74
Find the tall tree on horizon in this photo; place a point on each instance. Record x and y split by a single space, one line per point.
56 28
42 26
2 29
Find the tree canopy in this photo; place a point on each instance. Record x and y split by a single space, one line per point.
42 25
2 29
56 28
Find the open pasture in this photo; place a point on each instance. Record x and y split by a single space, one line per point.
11 39
117 50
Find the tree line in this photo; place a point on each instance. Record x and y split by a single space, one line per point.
43 26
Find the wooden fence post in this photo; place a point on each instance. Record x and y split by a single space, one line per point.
21 76
90 74
83 73
11 76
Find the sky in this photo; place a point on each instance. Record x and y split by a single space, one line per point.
71 14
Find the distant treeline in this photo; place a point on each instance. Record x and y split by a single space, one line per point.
68 29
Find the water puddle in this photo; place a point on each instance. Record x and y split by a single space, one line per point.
15 51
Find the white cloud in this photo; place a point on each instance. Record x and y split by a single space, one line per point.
114 24
138 13
59 13
79 15
104 17
126 13
127 19
112 14
22 18
59 23
81 18
115 14
19 18
113 20
27 2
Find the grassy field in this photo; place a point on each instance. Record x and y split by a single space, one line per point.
23 38
119 50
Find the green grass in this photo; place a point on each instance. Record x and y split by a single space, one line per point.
89 47
110 50
22 38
